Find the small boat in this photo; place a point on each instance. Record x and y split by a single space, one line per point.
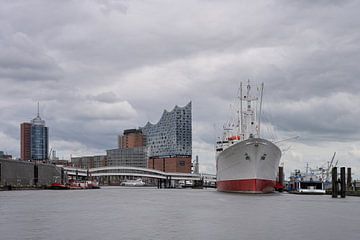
306 183
133 183
92 185
83 184
58 186
75 185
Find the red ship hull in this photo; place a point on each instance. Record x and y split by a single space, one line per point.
246 185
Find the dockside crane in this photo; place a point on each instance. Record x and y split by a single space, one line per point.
49 154
330 165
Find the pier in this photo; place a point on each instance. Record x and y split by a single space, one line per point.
106 175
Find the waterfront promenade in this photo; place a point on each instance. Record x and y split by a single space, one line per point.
150 213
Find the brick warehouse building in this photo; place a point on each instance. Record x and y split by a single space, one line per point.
131 138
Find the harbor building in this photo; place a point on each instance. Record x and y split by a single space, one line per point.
131 157
169 142
89 161
34 140
131 151
131 138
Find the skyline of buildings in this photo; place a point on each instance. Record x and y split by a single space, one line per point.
164 146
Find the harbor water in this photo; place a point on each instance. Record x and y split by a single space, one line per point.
150 213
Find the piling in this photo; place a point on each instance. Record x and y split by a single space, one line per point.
349 183
36 174
281 175
62 176
342 182
167 183
334 183
199 184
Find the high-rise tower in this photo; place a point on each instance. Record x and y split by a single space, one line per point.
34 139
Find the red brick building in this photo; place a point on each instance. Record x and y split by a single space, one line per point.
131 138
25 141
171 164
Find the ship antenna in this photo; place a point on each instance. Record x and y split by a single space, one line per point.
261 97
241 109
238 113
38 110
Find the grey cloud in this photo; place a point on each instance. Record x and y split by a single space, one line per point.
335 116
106 97
99 67
108 6
22 60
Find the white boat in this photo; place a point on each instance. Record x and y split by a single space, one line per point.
133 183
306 183
245 162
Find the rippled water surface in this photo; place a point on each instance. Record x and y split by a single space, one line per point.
149 213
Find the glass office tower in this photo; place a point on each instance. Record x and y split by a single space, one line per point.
39 139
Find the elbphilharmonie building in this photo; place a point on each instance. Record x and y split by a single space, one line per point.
169 142
171 136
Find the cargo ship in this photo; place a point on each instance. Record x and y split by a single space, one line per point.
245 162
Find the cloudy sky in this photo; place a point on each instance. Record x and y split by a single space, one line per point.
99 67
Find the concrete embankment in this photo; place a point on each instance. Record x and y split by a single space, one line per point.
16 174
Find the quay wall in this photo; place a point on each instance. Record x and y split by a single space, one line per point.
23 174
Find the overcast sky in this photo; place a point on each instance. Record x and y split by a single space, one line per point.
99 67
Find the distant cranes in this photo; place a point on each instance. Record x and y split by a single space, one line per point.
330 165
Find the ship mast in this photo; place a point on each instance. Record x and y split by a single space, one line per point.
241 113
261 96
249 111
248 122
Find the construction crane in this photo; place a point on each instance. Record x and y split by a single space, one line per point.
330 165
49 154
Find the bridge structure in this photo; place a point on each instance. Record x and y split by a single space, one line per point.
116 174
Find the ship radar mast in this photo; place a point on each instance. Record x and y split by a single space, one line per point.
246 124
249 121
